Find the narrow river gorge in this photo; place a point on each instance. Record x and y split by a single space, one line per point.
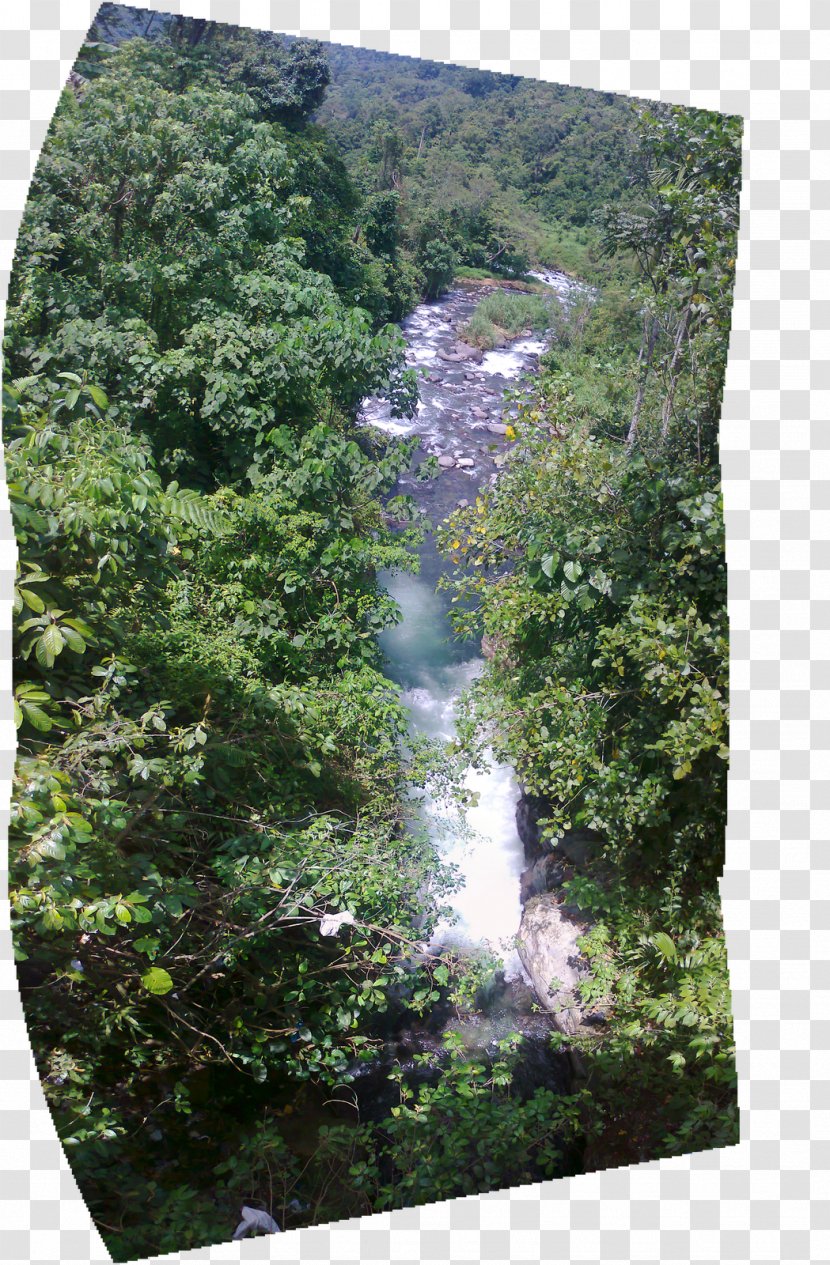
461 421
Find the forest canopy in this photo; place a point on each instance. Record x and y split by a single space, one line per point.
213 768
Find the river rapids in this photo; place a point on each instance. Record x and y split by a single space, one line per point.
460 421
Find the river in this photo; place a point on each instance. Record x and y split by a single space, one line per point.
461 419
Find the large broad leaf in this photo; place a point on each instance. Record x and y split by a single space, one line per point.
33 601
99 397
665 946
35 715
549 564
49 645
157 981
74 640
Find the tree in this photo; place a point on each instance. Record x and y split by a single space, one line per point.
211 762
179 209
684 242
595 566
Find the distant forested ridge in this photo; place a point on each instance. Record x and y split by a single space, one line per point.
213 771
456 167
504 172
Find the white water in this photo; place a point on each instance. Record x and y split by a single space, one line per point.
511 361
481 842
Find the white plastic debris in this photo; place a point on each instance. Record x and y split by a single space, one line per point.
330 924
254 1219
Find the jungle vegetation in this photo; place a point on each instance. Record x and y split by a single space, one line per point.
596 569
210 757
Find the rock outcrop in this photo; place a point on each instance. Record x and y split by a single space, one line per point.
529 811
547 944
543 876
578 846
550 928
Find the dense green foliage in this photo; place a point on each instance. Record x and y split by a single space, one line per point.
493 171
170 252
596 568
212 767
210 758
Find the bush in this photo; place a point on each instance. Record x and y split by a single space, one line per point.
505 313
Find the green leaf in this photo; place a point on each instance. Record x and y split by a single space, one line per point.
51 848
49 645
665 946
573 570
33 600
99 397
157 981
73 639
549 564
51 920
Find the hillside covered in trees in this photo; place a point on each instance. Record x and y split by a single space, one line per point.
488 170
220 898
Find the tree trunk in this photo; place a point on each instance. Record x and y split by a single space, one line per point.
644 364
682 330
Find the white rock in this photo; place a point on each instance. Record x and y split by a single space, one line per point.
547 944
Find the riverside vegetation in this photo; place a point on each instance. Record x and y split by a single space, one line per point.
211 761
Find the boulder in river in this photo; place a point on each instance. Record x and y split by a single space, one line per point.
497 428
446 462
465 463
548 948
